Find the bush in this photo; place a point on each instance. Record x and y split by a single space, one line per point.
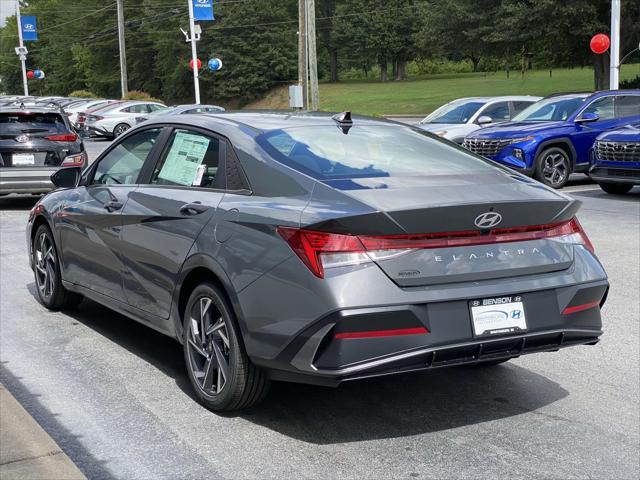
83 94
140 95
631 83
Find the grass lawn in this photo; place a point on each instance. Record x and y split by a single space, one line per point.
422 96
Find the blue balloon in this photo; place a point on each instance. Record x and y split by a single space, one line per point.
37 73
214 64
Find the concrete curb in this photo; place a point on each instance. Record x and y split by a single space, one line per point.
27 452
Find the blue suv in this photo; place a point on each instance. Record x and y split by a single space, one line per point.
554 137
616 159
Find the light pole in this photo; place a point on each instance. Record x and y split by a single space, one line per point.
614 69
194 52
21 50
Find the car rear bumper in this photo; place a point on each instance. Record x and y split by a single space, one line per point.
21 180
440 335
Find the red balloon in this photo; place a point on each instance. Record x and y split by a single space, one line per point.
30 74
600 43
199 63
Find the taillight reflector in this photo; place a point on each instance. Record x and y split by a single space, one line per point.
381 333
311 245
580 308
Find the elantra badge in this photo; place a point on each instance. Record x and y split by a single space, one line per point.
488 220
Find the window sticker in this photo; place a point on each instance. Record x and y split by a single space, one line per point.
184 158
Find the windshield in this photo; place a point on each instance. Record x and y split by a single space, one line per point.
326 153
551 109
25 122
454 112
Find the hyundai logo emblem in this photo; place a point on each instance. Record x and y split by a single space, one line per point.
22 139
488 220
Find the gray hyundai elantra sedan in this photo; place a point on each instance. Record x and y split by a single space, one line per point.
316 248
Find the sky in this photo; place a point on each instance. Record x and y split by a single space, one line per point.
7 8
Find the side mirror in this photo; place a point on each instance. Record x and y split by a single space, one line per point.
588 118
484 119
66 177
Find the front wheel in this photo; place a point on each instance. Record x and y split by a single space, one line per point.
553 167
616 188
46 268
220 372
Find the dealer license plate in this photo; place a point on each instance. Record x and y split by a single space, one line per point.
23 159
498 316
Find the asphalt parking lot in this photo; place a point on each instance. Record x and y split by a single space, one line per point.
116 398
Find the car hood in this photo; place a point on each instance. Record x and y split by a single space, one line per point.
517 129
630 133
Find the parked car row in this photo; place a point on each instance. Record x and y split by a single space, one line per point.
38 135
552 137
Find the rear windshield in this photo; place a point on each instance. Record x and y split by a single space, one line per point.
326 153
24 122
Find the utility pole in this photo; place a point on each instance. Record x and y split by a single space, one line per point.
123 51
22 55
614 69
314 103
194 52
303 75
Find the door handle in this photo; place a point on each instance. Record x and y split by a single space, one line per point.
113 205
192 209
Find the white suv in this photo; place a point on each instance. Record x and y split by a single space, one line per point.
113 122
457 119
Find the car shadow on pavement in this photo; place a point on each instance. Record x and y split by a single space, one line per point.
384 407
71 444
633 196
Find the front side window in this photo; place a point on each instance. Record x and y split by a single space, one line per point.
498 111
191 159
326 153
551 109
520 106
122 165
603 107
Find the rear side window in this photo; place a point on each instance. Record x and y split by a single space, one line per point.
191 159
28 122
627 106
327 153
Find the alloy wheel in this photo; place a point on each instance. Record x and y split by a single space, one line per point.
45 264
208 346
555 168
120 129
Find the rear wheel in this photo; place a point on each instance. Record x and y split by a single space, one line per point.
46 267
616 188
120 129
219 369
553 167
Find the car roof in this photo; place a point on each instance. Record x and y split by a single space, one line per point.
497 98
261 121
29 109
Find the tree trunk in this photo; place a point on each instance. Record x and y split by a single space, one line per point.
384 75
601 72
476 62
333 64
401 70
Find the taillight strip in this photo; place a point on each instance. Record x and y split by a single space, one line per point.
580 308
381 333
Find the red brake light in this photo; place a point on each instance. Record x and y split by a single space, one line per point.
316 249
63 137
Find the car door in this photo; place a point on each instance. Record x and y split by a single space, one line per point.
586 132
90 222
167 213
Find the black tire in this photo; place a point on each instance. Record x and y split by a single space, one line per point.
120 129
553 167
243 385
46 270
616 188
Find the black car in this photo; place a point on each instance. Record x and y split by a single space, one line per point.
34 142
